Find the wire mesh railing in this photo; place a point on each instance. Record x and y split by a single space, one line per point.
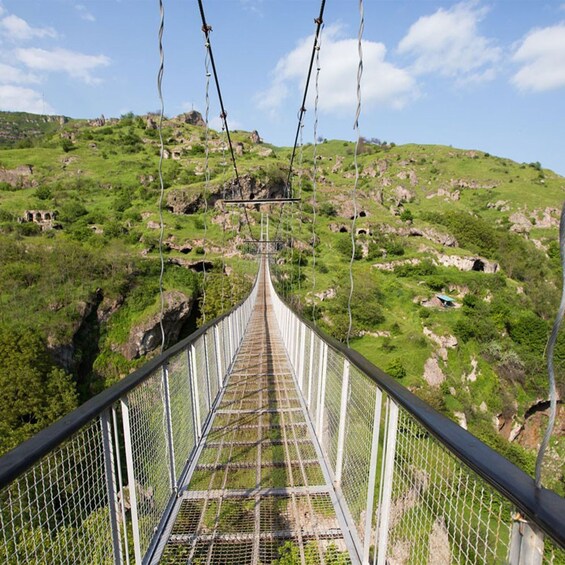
413 486
98 485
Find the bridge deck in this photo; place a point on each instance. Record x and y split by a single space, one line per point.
258 493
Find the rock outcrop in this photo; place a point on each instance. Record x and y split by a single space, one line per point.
18 177
193 118
146 336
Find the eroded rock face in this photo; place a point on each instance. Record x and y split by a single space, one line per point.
146 336
402 195
468 263
520 223
433 374
439 550
193 118
20 176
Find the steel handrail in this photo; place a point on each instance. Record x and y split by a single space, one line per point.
541 505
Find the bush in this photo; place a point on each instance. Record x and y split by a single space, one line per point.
406 215
396 369
343 245
43 193
71 211
327 209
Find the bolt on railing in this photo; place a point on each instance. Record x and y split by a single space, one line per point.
413 486
98 485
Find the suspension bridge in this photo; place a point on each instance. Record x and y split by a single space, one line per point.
260 440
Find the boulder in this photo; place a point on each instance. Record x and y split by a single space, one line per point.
433 374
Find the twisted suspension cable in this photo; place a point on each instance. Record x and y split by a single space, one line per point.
315 173
206 29
550 354
319 21
207 174
160 168
161 222
356 128
300 209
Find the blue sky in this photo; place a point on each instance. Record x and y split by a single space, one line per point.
475 74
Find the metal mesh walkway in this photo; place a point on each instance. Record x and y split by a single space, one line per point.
258 493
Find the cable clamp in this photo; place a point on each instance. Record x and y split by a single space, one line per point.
206 28
318 21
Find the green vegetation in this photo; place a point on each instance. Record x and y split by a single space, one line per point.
83 286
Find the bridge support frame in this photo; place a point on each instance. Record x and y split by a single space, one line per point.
110 466
526 544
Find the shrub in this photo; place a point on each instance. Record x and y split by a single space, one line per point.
43 193
396 369
343 245
327 209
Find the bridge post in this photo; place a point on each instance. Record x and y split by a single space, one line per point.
207 370
322 390
195 392
131 481
218 357
311 369
295 334
301 358
341 428
386 484
169 425
526 542
372 476
110 466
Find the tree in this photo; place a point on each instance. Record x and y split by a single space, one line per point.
35 392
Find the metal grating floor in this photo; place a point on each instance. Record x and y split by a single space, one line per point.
258 493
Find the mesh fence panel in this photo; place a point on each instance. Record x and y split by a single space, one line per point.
357 450
312 398
332 405
57 511
199 364
440 509
212 364
306 362
149 451
181 410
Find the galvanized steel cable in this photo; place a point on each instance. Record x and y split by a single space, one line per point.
206 29
319 21
160 168
355 160
206 172
317 48
550 356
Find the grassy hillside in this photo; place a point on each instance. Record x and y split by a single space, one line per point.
430 220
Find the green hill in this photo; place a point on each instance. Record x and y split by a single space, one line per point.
431 220
21 129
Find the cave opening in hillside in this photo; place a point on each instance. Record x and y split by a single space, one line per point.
478 265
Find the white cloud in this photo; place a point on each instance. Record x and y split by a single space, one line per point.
542 56
252 6
84 13
13 75
76 65
16 29
18 99
448 42
383 84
